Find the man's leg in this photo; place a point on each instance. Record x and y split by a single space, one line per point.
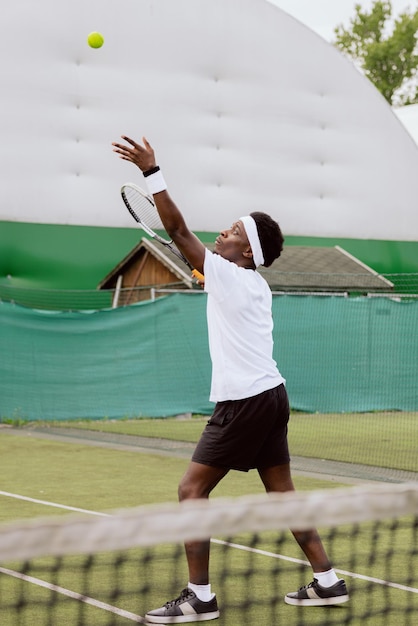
326 588
198 482
279 479
196 602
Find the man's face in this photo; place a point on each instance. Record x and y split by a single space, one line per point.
233 244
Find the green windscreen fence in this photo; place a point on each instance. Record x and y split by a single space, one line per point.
152 360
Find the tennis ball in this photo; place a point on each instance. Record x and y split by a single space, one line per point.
95 40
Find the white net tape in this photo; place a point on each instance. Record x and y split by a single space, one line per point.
191 520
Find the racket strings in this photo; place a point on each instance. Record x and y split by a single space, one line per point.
143 209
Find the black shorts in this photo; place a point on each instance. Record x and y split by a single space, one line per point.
247 434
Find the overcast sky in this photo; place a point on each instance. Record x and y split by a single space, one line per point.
323 15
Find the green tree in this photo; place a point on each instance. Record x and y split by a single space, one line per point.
385 50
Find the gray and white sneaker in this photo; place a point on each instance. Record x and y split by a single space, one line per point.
315 595
186 608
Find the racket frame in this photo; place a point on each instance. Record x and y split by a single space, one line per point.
169 243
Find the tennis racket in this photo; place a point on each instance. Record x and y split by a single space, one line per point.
142 208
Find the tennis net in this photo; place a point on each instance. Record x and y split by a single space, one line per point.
111 568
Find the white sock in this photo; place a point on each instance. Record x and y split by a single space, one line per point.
326 579
203 592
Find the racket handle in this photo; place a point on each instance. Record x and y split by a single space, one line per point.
198 275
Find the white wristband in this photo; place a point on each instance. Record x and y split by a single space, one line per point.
156 182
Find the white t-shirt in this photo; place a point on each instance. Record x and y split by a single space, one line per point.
240 326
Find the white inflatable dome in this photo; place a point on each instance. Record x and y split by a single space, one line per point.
247 108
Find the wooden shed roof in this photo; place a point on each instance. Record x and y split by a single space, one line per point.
322 269
159 252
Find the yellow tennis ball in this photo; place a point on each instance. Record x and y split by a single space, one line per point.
95 40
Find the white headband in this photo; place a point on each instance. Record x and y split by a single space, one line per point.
252 234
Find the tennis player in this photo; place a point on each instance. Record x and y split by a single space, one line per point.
248 428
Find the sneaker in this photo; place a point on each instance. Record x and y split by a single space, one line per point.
315 595
186 608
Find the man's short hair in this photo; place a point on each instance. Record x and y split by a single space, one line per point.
270 235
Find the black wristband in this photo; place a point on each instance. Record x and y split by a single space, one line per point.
153 170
